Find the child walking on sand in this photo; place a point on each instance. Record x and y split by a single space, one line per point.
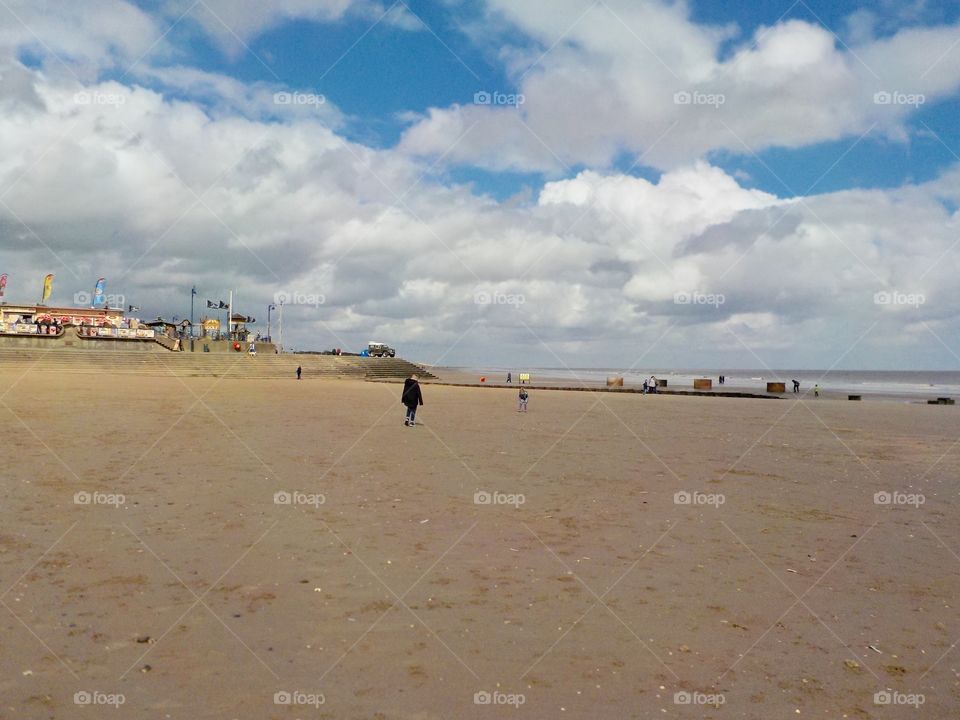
523 400
412 398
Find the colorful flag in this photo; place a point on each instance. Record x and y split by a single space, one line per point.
98 297
47 287
3 284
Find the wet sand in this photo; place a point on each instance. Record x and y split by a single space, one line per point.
597 596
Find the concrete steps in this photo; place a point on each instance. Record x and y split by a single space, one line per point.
184 364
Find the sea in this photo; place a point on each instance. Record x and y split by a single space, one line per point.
893 383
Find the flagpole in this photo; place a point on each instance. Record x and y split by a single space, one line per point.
230 318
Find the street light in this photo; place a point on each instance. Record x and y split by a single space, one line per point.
281 325
270 307
193 294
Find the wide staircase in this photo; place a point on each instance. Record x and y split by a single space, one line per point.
186 364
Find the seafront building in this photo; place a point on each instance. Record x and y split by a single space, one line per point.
36 325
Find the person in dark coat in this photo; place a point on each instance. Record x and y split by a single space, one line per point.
299 371
412 398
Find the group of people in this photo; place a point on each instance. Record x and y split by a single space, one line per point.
412 398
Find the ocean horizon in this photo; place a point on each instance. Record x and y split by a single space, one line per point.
880 382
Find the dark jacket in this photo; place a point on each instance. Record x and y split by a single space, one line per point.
411 393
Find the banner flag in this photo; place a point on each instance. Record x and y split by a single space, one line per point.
98 297
3 284
47 287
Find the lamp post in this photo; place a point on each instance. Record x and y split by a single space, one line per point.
270 307
193 294
280 346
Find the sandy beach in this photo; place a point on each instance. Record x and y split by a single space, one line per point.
214 548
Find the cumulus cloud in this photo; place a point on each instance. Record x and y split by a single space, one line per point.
173 177
644 79
157 194
77 39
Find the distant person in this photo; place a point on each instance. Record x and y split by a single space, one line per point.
509 377
646 386
816 391
299 371
796 386
412 398
523 398
653 384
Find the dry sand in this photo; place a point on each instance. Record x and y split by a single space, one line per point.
400 597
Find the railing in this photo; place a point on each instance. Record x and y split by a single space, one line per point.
92 332
85 331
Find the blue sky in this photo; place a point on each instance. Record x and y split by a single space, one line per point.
377 73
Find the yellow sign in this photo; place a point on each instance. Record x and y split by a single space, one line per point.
525 377
212 325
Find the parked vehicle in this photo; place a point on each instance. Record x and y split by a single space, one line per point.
376 349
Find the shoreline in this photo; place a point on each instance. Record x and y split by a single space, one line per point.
460 377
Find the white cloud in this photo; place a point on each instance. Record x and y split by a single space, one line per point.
645 79
206 186
77 39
